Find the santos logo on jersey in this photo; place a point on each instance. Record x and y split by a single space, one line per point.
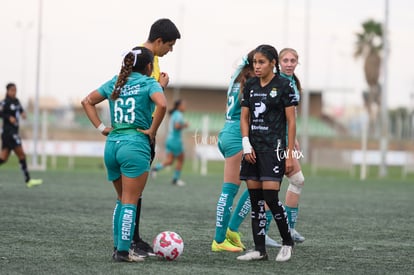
273 93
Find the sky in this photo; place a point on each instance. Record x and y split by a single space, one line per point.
83 40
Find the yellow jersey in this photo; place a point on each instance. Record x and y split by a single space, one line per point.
156 69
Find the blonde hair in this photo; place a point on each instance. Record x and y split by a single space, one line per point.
295 53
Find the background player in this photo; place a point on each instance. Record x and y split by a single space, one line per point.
174 143
230 146
268 109
132 97
11 111
161 40
288 59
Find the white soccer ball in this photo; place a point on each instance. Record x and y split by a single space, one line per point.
168 245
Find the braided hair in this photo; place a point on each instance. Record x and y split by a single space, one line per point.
134 61
271 53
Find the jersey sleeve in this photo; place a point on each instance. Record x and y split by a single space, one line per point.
154 87
107 88
179 118
289 96
21 107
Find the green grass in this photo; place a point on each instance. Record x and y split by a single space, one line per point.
64 225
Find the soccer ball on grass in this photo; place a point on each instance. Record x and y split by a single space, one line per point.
168 245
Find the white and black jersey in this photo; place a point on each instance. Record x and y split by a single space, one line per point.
267 112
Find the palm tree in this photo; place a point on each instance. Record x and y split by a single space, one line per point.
368 46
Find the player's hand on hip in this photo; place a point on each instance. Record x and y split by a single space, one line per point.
150 133
106 131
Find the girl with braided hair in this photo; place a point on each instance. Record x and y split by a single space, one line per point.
133 96
267 115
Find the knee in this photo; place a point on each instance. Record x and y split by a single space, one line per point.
296 182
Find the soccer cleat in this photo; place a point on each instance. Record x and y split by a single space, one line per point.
121 257
178 183
284 254
224 246
33 182
234 238
271 243
253 256
142 248
138 252
153 173
296 237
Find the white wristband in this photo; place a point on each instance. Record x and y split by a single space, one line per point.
101 127
247 147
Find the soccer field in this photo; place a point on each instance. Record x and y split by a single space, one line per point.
64 225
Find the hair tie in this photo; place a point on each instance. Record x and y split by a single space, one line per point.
135 53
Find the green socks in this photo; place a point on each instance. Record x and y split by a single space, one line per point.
126 226
177 175
292 214
241 211
224 206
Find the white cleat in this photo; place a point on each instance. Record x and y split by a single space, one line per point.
253 256
179 183
153 174
284 254
296 237
271 243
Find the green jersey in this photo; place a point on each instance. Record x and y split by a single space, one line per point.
233 109
133 108
174 133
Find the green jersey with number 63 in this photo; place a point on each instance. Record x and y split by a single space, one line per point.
133 108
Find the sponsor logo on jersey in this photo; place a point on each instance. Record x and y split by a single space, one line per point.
259 108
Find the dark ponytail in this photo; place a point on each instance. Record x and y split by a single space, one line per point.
177 104
134 61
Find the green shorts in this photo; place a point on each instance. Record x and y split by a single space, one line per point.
230 140
174 146
130 158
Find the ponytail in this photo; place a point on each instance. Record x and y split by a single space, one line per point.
126 70
177 104
134 61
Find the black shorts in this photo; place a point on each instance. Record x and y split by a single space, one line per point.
10 141
268 167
